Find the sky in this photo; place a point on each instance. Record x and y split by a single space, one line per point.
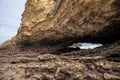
10 18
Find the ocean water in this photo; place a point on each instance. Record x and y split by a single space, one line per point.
86 45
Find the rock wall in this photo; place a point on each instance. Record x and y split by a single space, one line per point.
69 20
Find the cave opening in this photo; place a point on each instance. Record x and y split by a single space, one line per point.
85 45
80 46
89 43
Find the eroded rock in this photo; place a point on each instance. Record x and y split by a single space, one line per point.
48 26
53 21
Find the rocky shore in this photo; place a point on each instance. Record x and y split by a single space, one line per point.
24 64
39 51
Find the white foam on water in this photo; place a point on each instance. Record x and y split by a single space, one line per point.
86 45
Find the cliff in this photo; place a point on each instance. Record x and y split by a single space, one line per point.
37 52
65 20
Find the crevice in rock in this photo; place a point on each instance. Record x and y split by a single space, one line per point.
115 57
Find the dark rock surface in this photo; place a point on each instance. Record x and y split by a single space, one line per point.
18 63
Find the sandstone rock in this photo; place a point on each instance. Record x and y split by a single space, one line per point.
69 20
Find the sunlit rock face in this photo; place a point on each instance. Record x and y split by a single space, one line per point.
67 20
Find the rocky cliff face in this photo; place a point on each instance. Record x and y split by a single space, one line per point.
37 51
66 20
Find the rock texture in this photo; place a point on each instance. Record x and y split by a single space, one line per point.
65 20
98 64
38 51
